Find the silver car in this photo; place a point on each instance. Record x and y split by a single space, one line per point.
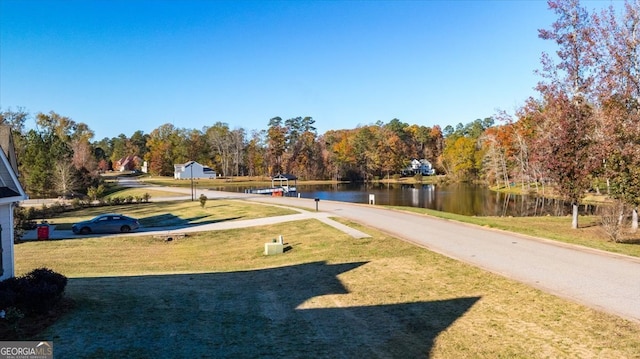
107 223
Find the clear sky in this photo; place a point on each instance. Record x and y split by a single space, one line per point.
121 66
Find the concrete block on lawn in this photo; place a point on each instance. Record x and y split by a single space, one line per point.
273 248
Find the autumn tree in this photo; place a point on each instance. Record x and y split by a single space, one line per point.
497 144
238 139
340 155
83 152
619 93
255 154
37 164
161 144
220 141
463 154
66 178
302 150
391 149
364 153
16 120
60 126
138 142
276 145
567 92
195 146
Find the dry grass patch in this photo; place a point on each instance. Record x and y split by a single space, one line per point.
216 295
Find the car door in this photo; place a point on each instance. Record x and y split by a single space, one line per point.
115 222
102 225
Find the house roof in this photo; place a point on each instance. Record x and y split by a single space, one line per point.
10 188
284 176
8 192
6 143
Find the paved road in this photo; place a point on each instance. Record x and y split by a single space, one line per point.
600 280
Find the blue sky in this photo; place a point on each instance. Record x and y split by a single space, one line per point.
121 66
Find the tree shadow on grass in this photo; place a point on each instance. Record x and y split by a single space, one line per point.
170 220
248 314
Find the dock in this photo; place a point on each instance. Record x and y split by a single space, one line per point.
274 191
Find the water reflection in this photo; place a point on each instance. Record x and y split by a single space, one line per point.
461 198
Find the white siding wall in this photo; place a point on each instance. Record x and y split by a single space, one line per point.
198 172
6 220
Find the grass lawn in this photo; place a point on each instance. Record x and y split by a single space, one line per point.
175 213
123 192
215 295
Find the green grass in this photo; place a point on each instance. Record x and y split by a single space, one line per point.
589 233
124 192
175 213
216 294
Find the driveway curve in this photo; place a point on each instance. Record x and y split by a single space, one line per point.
601 280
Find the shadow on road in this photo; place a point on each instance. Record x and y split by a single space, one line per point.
258 313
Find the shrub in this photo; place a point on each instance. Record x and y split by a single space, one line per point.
57 208
96 193
13 316
418 178
20 223
76 203
613 220
128 199
203 200
48 276
34 293
31 213
146 196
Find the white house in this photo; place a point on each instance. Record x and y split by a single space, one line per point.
422 167
192 169
11 192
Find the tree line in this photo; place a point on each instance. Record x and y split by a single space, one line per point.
579 131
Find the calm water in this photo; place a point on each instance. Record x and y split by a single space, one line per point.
466 199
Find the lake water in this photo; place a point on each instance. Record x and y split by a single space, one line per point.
466 199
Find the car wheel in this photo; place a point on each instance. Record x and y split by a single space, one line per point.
85 230
125 229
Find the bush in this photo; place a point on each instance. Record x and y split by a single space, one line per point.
203 200
76 203
613 220
418 178
34 293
